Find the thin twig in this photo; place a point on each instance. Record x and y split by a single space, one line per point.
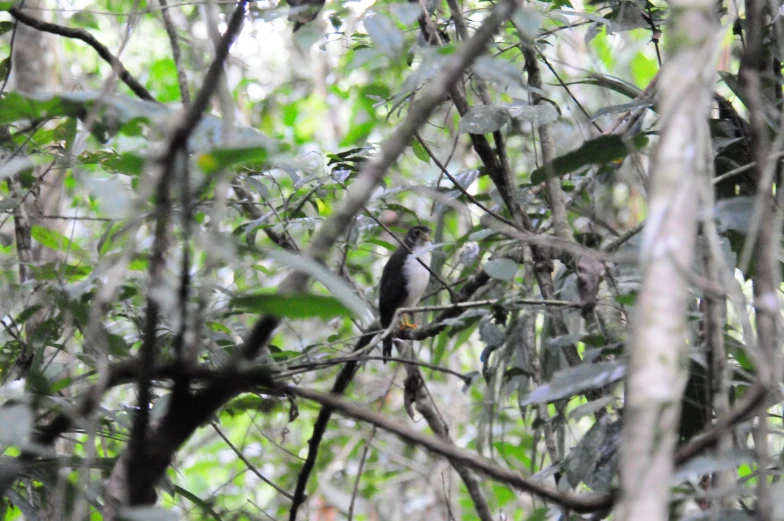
366 450
460 187
174 41
247 463
568 90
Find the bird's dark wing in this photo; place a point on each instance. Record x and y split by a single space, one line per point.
392 292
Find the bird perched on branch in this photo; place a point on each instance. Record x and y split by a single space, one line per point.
404 280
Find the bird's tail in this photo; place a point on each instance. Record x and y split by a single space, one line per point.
387 352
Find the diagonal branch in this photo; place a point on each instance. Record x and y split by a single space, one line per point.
547 144
579 503
171 30
89 39
416 391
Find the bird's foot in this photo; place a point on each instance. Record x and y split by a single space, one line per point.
405 323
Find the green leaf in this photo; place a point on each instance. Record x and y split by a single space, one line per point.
27 313
6 26
626 299
117 114
223 158
609 82
15 106
503 72
56 241
402 210
575 380
126 163
66 131
53 271
537 115
385 34
294 306
503 269
540 514
420 152
383 244
357 133
604 149
337 286
527 21
5 68
734 214
590 408
483 119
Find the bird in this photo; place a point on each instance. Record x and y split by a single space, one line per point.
404 280
303 12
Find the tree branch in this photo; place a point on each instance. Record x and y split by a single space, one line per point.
547 145
417 392
764 238
171 30
581 503
89 39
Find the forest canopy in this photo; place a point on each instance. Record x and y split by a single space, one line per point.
198 201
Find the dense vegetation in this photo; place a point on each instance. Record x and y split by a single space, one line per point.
198 200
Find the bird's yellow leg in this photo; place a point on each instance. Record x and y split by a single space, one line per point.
405 322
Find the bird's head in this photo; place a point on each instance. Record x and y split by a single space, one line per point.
417 236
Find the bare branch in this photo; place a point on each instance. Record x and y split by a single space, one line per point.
763 240
581 503
547 143
247 463
89 39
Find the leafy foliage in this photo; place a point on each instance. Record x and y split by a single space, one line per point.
185 252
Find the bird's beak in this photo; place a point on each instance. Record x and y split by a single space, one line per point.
427 237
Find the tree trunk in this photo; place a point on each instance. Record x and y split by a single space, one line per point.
658 352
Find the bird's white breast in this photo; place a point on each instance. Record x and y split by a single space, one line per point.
416 276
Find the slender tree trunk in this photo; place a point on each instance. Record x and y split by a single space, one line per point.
658 352
33 71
